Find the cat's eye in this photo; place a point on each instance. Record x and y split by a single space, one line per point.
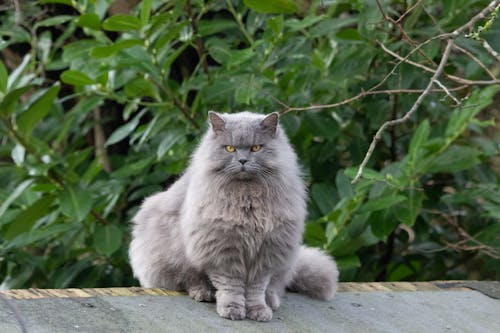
230 149
256 148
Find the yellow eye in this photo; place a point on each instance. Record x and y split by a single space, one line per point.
256 148
230 149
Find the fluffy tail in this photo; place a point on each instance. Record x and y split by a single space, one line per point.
315 274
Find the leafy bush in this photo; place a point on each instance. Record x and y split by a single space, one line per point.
100 108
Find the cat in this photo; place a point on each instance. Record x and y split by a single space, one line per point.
230 228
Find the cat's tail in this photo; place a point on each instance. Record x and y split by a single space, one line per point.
315 274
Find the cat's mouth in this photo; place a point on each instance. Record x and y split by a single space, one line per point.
243 173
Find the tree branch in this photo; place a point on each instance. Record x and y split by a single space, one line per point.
378 135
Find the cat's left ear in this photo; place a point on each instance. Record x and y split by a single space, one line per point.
270 123
216 121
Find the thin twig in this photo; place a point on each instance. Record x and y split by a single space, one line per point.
409 10
378 135
430 70
361 95
200 48
442 86
477 61
465 51
241 26
403 32
490 50
472 22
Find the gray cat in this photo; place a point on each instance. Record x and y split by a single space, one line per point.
230 228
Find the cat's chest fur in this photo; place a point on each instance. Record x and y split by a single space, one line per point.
242 203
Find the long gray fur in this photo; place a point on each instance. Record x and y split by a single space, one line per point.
230 228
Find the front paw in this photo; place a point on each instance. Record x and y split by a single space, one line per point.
201 294
259 312
273 299
233 311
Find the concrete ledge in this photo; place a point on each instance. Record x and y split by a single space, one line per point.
441 306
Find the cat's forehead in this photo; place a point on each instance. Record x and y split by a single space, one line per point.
243 128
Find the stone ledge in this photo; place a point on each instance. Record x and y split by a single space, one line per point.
439 306
34 293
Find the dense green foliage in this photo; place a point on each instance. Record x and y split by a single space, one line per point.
100 109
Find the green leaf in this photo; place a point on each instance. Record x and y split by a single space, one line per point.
247 88
140 87
324 196
34 236
63 2
383 222
418 140
344 187
121 22
347 262
79 50
272 7
456 158
490 235
219 51
76 78
382 203
132 169
14 195
349 34
11 99
408 213
238 57
107 239
168 142
314 234
110 50
4 77
52 21
75 202
38 110
366 174
123 131
460 118
25 220
90 21
276 24
15 76
211 27
146 11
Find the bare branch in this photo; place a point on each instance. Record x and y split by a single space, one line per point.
362 95
430 70
378 135
477 61
442 86
472 22
490 50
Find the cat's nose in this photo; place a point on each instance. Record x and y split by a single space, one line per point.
242 161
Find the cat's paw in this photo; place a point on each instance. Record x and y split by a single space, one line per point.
259 312
201 294
273 299
233 311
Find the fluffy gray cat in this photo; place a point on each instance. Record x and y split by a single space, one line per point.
230 228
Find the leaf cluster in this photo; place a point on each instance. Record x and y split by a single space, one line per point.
101 108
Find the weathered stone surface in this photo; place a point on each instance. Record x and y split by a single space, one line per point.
379 308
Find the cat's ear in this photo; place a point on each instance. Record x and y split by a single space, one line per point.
269 124
217 123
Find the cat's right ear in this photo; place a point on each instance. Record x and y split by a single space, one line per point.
217 123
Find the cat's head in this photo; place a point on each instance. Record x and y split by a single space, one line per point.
245 145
